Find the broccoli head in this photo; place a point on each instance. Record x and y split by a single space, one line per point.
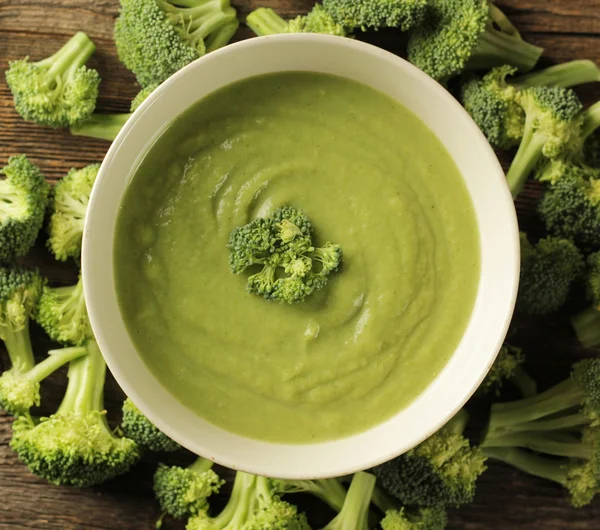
58 91
142 431
548 271
23 198
433 518
156 38
264 21
459 35
69 205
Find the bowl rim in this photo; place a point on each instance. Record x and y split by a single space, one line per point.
103 333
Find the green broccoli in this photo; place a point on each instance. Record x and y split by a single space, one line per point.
548 271
156 38
355 510
183 492
459 35
553 123
23 198
107 126
252 505
75 445
441 471
62 313
264 21
492 100
508 366
143 432
433 518
587 323
58 91
562 422
376 14
329 490
69 205
282 243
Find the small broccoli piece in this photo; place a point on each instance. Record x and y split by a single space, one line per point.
143 432
69 205
492 100
23 198
184 492
107 126
548 271
459 35
329 491
58 91
75 445
433 518
20 389
587 323
441 471
553 122
264 21
156 38
376 14
282 243
508 366
355 510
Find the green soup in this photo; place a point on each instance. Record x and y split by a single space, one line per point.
371 177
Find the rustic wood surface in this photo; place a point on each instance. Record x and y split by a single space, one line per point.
568 29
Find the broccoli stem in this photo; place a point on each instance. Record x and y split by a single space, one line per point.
355 511
55 359
18 345
538 466
564 75
71 56
502 21
11 201
221 37
551 443
496 48
591 120
102 126
264 21
200 465
238 508
570 421
525 384
587 327
383 501
458 423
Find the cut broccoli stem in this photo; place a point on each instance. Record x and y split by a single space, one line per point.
587 327
200 465
525 384
551 443
222 36
102 126
55 359
383 501
571 421
563 75
502 21
264 21
355 511
496 48
591 120
12 200
18 345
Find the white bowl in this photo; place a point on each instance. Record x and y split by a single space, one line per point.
486 184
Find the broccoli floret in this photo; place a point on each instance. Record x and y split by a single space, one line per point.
69 205
282 243
156 38
75 445
441 471
433 518
355 510
329 491
591 150
553 122
264 21
183 492
20 389
252 505
548 271
58 91
459 35
563 422
143 432
492 100
107 126
508 366
23 198
587 323
376 14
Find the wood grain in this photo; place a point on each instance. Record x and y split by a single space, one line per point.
568 29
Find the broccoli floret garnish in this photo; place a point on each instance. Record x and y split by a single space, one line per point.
282 243
62 312
143 432
587 323
376 14
563 422
23 198
184 492
548 271
329 490
69 205
58 91
508 366
433 518
156 38
107 126
553 123
75 445
252 505
441 471
355 510
458 35
492 100
264 21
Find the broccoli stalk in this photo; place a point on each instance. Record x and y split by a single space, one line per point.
142 431
58 91
355 510
329 490
75 445
587 323
264 21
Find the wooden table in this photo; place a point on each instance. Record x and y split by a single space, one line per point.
568 29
